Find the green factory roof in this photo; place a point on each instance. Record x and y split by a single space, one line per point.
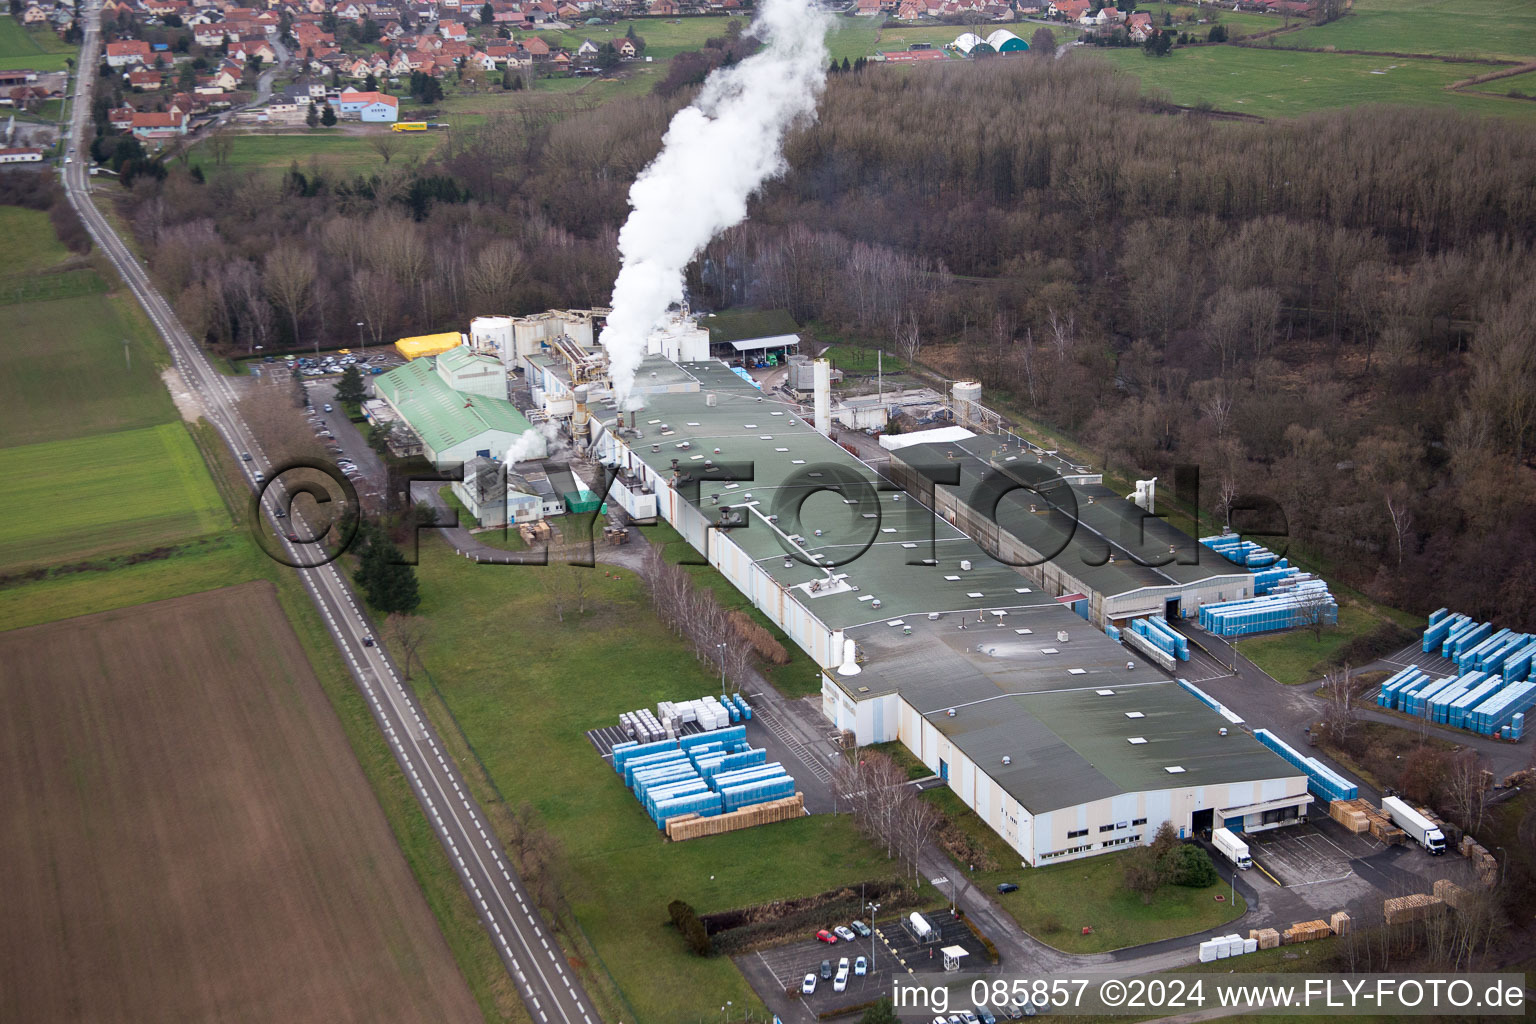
461 358
441 416
1093 533
877 543
748 325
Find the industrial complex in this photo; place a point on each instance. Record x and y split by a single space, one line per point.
952 607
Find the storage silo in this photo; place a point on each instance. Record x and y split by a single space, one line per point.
967 399
492 335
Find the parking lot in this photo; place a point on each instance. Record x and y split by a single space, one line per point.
891 951
1306 872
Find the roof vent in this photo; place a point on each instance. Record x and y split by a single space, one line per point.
950 712
1007 759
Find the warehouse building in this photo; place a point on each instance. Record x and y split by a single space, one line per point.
1063 743
754 335
457 405
1102 554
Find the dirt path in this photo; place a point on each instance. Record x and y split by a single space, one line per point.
187 402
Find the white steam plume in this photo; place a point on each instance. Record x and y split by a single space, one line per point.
530 444
715 155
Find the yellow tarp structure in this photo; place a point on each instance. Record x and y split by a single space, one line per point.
428 344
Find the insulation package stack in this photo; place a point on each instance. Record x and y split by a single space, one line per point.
1517 667
1339 923
1440 628
1391 690
1162 636
1322 781
1462 706
741 703
1113 632
1499 710
1411 908
1295 605
1244 552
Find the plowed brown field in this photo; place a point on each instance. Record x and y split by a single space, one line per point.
186 836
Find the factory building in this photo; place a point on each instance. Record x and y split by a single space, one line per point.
753 335
457 405
1107 557
1065 743
498 495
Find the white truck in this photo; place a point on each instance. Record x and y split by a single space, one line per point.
1232 848
1425 832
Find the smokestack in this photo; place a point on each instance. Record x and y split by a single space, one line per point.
824 396
579 418
715 155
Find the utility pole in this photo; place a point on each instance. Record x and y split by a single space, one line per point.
127 356
362 342
721 647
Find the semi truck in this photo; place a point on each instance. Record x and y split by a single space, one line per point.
1232 848
1425 832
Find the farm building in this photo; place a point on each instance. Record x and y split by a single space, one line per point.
1105 556
454 424
1037 721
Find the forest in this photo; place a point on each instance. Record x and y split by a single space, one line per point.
1333 311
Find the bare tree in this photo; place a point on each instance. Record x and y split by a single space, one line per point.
386 144
909 340
1402 521
1311 610
916 822
290 281
1340 712
407 632
1466 790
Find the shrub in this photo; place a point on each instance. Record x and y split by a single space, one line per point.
687 922
1192 867
761 641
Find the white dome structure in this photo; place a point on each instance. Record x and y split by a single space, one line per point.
967 42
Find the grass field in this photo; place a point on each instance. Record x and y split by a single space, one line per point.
1524 83
91 497
525 688
1287 83
30 244
194 839
1461 28
1293 657
1056 902
37 48
1237 22
334 153
65 372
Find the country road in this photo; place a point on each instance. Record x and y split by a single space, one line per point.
531 956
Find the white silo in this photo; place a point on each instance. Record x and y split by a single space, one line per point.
492 335
824 396
967 398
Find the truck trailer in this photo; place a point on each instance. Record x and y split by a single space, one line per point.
1232 848
1425 832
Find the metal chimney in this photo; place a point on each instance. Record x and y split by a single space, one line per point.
823 396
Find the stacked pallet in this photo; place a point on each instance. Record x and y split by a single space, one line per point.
1350 814
1454 895
1411 908
1340 922
1486 865
691 826
1383 829
1268 938
1306 931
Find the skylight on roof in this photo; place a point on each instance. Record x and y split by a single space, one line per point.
1049 650
1105 693
1021 590
1136 740
1134 714
909 544
1077 671
975 593
1174 769
952 577
1023 632
750 426
781 449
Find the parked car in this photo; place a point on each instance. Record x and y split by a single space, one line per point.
327 406
861 967
827 937
844 933
826 969
840 982
860 927
985 1015
969 1018
808 985
1006 887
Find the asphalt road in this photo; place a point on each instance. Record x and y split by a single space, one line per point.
531 957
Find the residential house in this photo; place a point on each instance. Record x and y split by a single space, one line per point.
21 155
145 81
1067 10
625 48
155 125
128 53
1108 17
452 31
35 14
208 35
121 118
349 12
537 48
867 8
667 8
1139 25
587 49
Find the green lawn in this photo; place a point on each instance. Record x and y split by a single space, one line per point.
30 244
1482 28
37 48
92 497
1288 83
1187 17
65 371
1292 657
335 154
1054 903
852 359
525 688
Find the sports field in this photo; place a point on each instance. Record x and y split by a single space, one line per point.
65 372
1288 83
189 836
37 48
107 494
